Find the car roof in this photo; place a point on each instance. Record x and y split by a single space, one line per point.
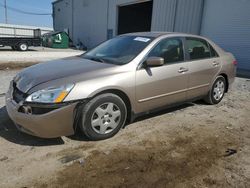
148 34
159 34
173 34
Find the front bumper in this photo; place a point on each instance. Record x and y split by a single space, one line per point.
56 123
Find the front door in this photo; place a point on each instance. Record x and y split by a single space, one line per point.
163 85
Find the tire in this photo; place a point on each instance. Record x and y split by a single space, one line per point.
217 91
14 48
23 47
103 117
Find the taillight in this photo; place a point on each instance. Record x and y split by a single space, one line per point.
235 62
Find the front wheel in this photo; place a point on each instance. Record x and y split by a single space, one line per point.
217 91
103 117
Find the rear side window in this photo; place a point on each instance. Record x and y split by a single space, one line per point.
171 50
198 48
213 52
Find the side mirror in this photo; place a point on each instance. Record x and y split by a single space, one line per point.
154 61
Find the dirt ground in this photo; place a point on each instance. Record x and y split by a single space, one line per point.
194 145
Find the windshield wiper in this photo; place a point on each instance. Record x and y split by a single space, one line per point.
97 59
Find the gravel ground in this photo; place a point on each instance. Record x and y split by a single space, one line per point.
35 54
194 145
5 78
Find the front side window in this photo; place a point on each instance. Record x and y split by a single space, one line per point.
171 50
197 48
120 50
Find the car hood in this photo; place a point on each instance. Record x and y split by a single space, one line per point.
45 72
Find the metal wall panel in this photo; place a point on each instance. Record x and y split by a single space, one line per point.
163 15
188 16
227 22
90 21
62 16
96 20
86 20
177 15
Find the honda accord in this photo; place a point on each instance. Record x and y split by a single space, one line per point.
132 74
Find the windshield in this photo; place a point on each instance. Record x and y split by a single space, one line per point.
120 50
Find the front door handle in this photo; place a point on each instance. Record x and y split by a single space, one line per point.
182 70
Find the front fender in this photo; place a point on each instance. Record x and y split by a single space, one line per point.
124 82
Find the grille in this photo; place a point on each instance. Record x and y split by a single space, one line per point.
18 95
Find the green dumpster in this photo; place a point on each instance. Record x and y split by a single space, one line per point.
56 40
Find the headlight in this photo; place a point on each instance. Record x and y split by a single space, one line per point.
50 95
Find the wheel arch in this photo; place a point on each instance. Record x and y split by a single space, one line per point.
123 96
117 92
227 81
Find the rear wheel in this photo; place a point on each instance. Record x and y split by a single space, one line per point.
217 92
103 116
23 47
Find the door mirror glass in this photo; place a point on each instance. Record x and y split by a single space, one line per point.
154 61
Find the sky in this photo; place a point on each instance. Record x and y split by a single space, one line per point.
37 6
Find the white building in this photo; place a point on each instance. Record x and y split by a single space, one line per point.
227 22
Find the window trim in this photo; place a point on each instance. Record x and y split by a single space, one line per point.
140 65
210 46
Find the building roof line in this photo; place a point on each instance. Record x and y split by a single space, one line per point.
57 1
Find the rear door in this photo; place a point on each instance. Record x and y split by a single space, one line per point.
163 85
204 64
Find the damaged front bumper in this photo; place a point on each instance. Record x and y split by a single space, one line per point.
45 123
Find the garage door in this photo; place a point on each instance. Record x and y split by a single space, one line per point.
135 17
227 22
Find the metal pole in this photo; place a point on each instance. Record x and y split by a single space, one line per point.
6 14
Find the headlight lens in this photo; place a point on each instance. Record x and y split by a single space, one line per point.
50 95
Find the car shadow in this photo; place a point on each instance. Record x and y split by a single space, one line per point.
163 111
80 137
9 132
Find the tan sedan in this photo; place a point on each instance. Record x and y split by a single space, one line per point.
132 74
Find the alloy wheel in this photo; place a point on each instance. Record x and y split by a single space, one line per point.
106 118
219 89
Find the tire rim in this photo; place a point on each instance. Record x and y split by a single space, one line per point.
106 118
23 47
219 89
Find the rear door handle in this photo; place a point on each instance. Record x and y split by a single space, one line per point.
215 63
182 70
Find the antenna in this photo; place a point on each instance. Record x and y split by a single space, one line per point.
6 14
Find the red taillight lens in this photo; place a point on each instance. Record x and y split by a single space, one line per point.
235 63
